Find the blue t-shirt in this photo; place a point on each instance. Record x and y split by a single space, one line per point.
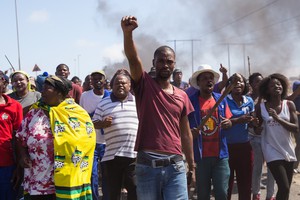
239 132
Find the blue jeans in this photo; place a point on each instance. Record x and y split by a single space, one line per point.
6 186
215 171
98 155
161 183
258 162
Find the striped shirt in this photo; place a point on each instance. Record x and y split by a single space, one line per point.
121 135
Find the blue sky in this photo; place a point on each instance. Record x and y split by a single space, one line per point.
86 34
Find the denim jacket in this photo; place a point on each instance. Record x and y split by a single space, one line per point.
194 119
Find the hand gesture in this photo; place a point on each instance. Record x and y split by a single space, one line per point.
222 69
255 121
129 23
246 118
272 113
107 121
225 123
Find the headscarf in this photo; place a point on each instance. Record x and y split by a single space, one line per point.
60 83
25 74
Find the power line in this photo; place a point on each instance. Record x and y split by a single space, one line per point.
240 18
262 28
273 24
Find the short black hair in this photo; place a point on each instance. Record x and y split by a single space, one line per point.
62 65
75 78
246 89
123 72
163 48
253 76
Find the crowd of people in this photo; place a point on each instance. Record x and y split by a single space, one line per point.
142 133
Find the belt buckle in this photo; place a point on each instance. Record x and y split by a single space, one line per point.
154 163
162 164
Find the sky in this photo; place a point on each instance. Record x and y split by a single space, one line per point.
86 34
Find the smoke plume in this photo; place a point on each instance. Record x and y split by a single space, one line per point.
214 32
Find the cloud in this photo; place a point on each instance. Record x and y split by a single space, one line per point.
114 53
39 16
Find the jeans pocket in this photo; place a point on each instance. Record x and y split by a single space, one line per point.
179 166
141 170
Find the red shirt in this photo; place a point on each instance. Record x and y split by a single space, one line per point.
75 92
159 115
211 130
11 115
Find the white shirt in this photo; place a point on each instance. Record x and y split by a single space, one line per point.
89 101
120 137
276 141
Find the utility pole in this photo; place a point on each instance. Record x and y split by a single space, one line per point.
249 70
244 56
18 42
174 42
192 48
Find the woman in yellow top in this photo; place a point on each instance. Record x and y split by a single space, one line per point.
56 142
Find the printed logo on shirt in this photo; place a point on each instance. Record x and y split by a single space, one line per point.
59 128
246 110
74 123
210 127
59 161
89 128
76 157
4 116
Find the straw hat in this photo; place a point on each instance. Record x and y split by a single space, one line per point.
201 69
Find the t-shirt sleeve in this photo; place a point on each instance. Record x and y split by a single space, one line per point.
138 86
98 113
